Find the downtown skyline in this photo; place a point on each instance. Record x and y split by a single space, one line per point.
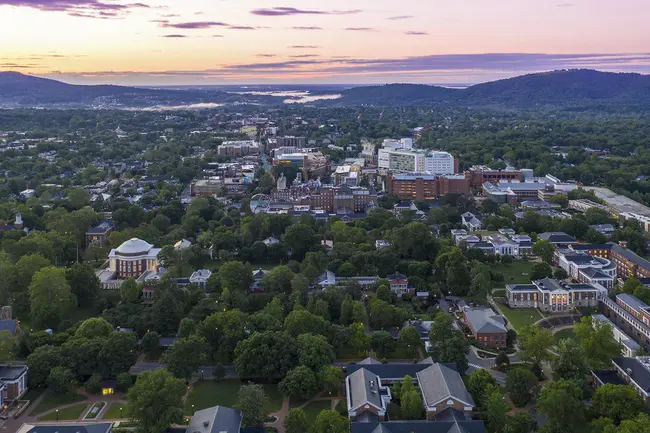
195 42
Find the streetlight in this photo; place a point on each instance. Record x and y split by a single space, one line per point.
57 414
201 374
121 413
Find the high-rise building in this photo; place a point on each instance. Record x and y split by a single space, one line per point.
419 186
411 161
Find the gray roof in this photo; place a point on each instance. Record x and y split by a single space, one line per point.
11 372
439 382
631 256
216 419
364 389
389 371
635 369
474 426
369 361
557 237
485 320
90 428
521 287
596 274
632 301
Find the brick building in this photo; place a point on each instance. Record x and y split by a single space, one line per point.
478 175
419 186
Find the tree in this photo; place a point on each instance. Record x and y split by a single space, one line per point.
560 274
640 424
332 378
496 410
130 291
50 297
78 198
617 402
94 384
561 200
597 341
571 363
385 294
267 355
520 422
296 421
300 383
185 356
155 401
479 383
382 343
411 404
6 347
544 250
455 350
60 380
314 351
236 276
521 384
95 327
631 285
279 280
541 271
167 311
118 353
330 421
150 342
252 401
124 382
302 321
219 371
441 328
186 328
299 238
409 338
83 283
43 360
502 359
561 402
358 340
536 342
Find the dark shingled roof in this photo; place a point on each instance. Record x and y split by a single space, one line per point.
418 427
639 373
90 428
11 372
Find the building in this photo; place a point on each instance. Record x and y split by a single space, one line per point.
630 347
631 315
288 141
557 238
628 263
514 191
10 325
216 419
105 427
238 148
423 186
442 426
604 229
381 244
399 284
643 220
480 174
368 392
487 327
200 278
586 268
554 296
471 222
584 205
632 371
135 258
99 234
13 383
217 185
348 175
619 204
411 161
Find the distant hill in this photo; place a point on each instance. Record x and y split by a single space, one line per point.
564 88
25 90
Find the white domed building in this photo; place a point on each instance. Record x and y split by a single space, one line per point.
135 258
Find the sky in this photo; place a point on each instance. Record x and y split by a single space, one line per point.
202 42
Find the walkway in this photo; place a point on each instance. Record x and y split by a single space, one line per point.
286 408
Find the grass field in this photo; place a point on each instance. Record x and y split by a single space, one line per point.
113 411
564 333
314 408
224 393
520 317
514 273
50 401
65 414
501 293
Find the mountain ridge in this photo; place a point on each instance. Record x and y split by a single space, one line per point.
561 88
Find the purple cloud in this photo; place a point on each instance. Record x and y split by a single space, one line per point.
78 8
284 11
174 36
242 28
400 17
304 56
192 25
415 33
565 5
217 36
359 29
265 55
307 28
308 47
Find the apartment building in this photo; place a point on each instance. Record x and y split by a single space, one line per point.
422 186
238 148
554 296
628 263
403 159
586 268
479 174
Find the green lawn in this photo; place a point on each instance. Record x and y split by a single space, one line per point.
564 333
68 413
224 393
500 293
314 408
519 317
113 411
515 273
33 394
95 409
52 400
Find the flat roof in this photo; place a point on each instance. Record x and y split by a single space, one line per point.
619 202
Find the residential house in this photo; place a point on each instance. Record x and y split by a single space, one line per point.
487 327
216 419
380 244
399 284
471 222
271 241
256 287
99 234
200 278
183 244
554 296
403 206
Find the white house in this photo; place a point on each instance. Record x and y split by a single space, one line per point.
200 278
